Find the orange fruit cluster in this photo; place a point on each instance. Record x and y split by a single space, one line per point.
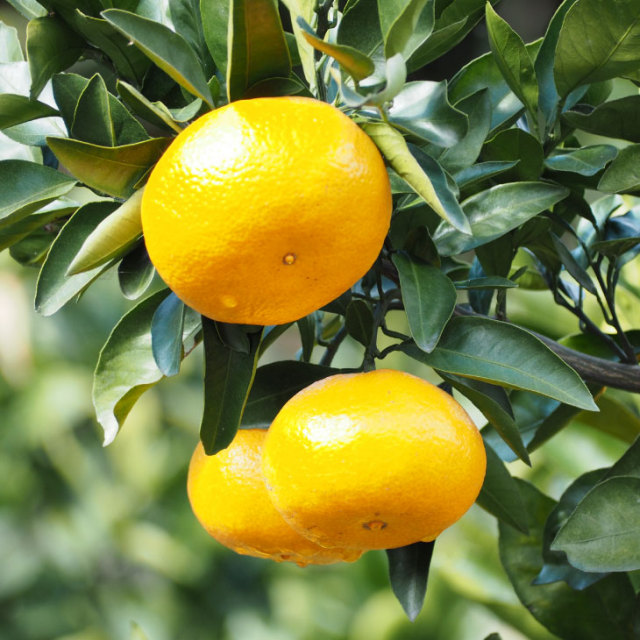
353 462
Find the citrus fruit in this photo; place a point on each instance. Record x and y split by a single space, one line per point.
229 498
373 460
265 210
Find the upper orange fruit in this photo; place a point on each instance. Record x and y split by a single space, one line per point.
264 210
373 460
229 498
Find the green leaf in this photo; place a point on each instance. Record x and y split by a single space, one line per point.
602 533
307 330
615 119
603 610
405 24
489 282
614 418
613 46
215 25
169 50
408 574
54 288
155 112
494 212
227 381
112 170
429 299
572 265
277 87
355 63
167 326
516 144
15 109
482 171
135 273
28 8
360 27
422 108
51 47
126 367
514 61
257 46
275 384
500 495
494 403
304 9
359 321
32 187
396 151
111 238
10 49
623 174
587 161
187 21
507 355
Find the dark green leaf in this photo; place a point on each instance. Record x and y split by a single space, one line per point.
186 19
507 355
135 273
257 46
275 384
277 87
359 321
92 116
405 24
169 50
166 334
623 174
15 232
493 212
55 288
307 329
628 464
155 112
51 47
408 574
614 34
500 495
215 25
360 27
489 282
32 187
516 144
112 170
482 171
586 161
418 244
227 381
429 299
601 611
572 265
15 109
513 60
615 119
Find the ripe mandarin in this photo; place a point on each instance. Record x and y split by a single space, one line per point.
229 498
265 210
373 460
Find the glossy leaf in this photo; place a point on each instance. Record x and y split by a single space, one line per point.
500 495
165 48
359 321
513 60
405 24
166 334
614 119
623 174
275 384
507 355
516 145
55 288
215 25
429 299
154 112
135 273
572 266
488 282
360 27
15 109
603 610
493 212
51 47
614 36
408 574
112 170
602 533
227 381
587 161
112 237
32 187
482 171
14 233
403 161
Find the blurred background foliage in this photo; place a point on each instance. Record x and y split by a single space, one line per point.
100 543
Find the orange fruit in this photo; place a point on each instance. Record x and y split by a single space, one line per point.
229 498
373 460
265 210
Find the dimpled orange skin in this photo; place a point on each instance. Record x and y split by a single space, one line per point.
264 210
229 498
373 460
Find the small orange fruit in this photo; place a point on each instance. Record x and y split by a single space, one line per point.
229 498
373 460
265 210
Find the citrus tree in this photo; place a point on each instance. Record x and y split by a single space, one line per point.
517 174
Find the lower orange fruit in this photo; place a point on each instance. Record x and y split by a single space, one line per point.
229 498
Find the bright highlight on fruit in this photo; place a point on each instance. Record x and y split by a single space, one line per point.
373 461
265 210
229 498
